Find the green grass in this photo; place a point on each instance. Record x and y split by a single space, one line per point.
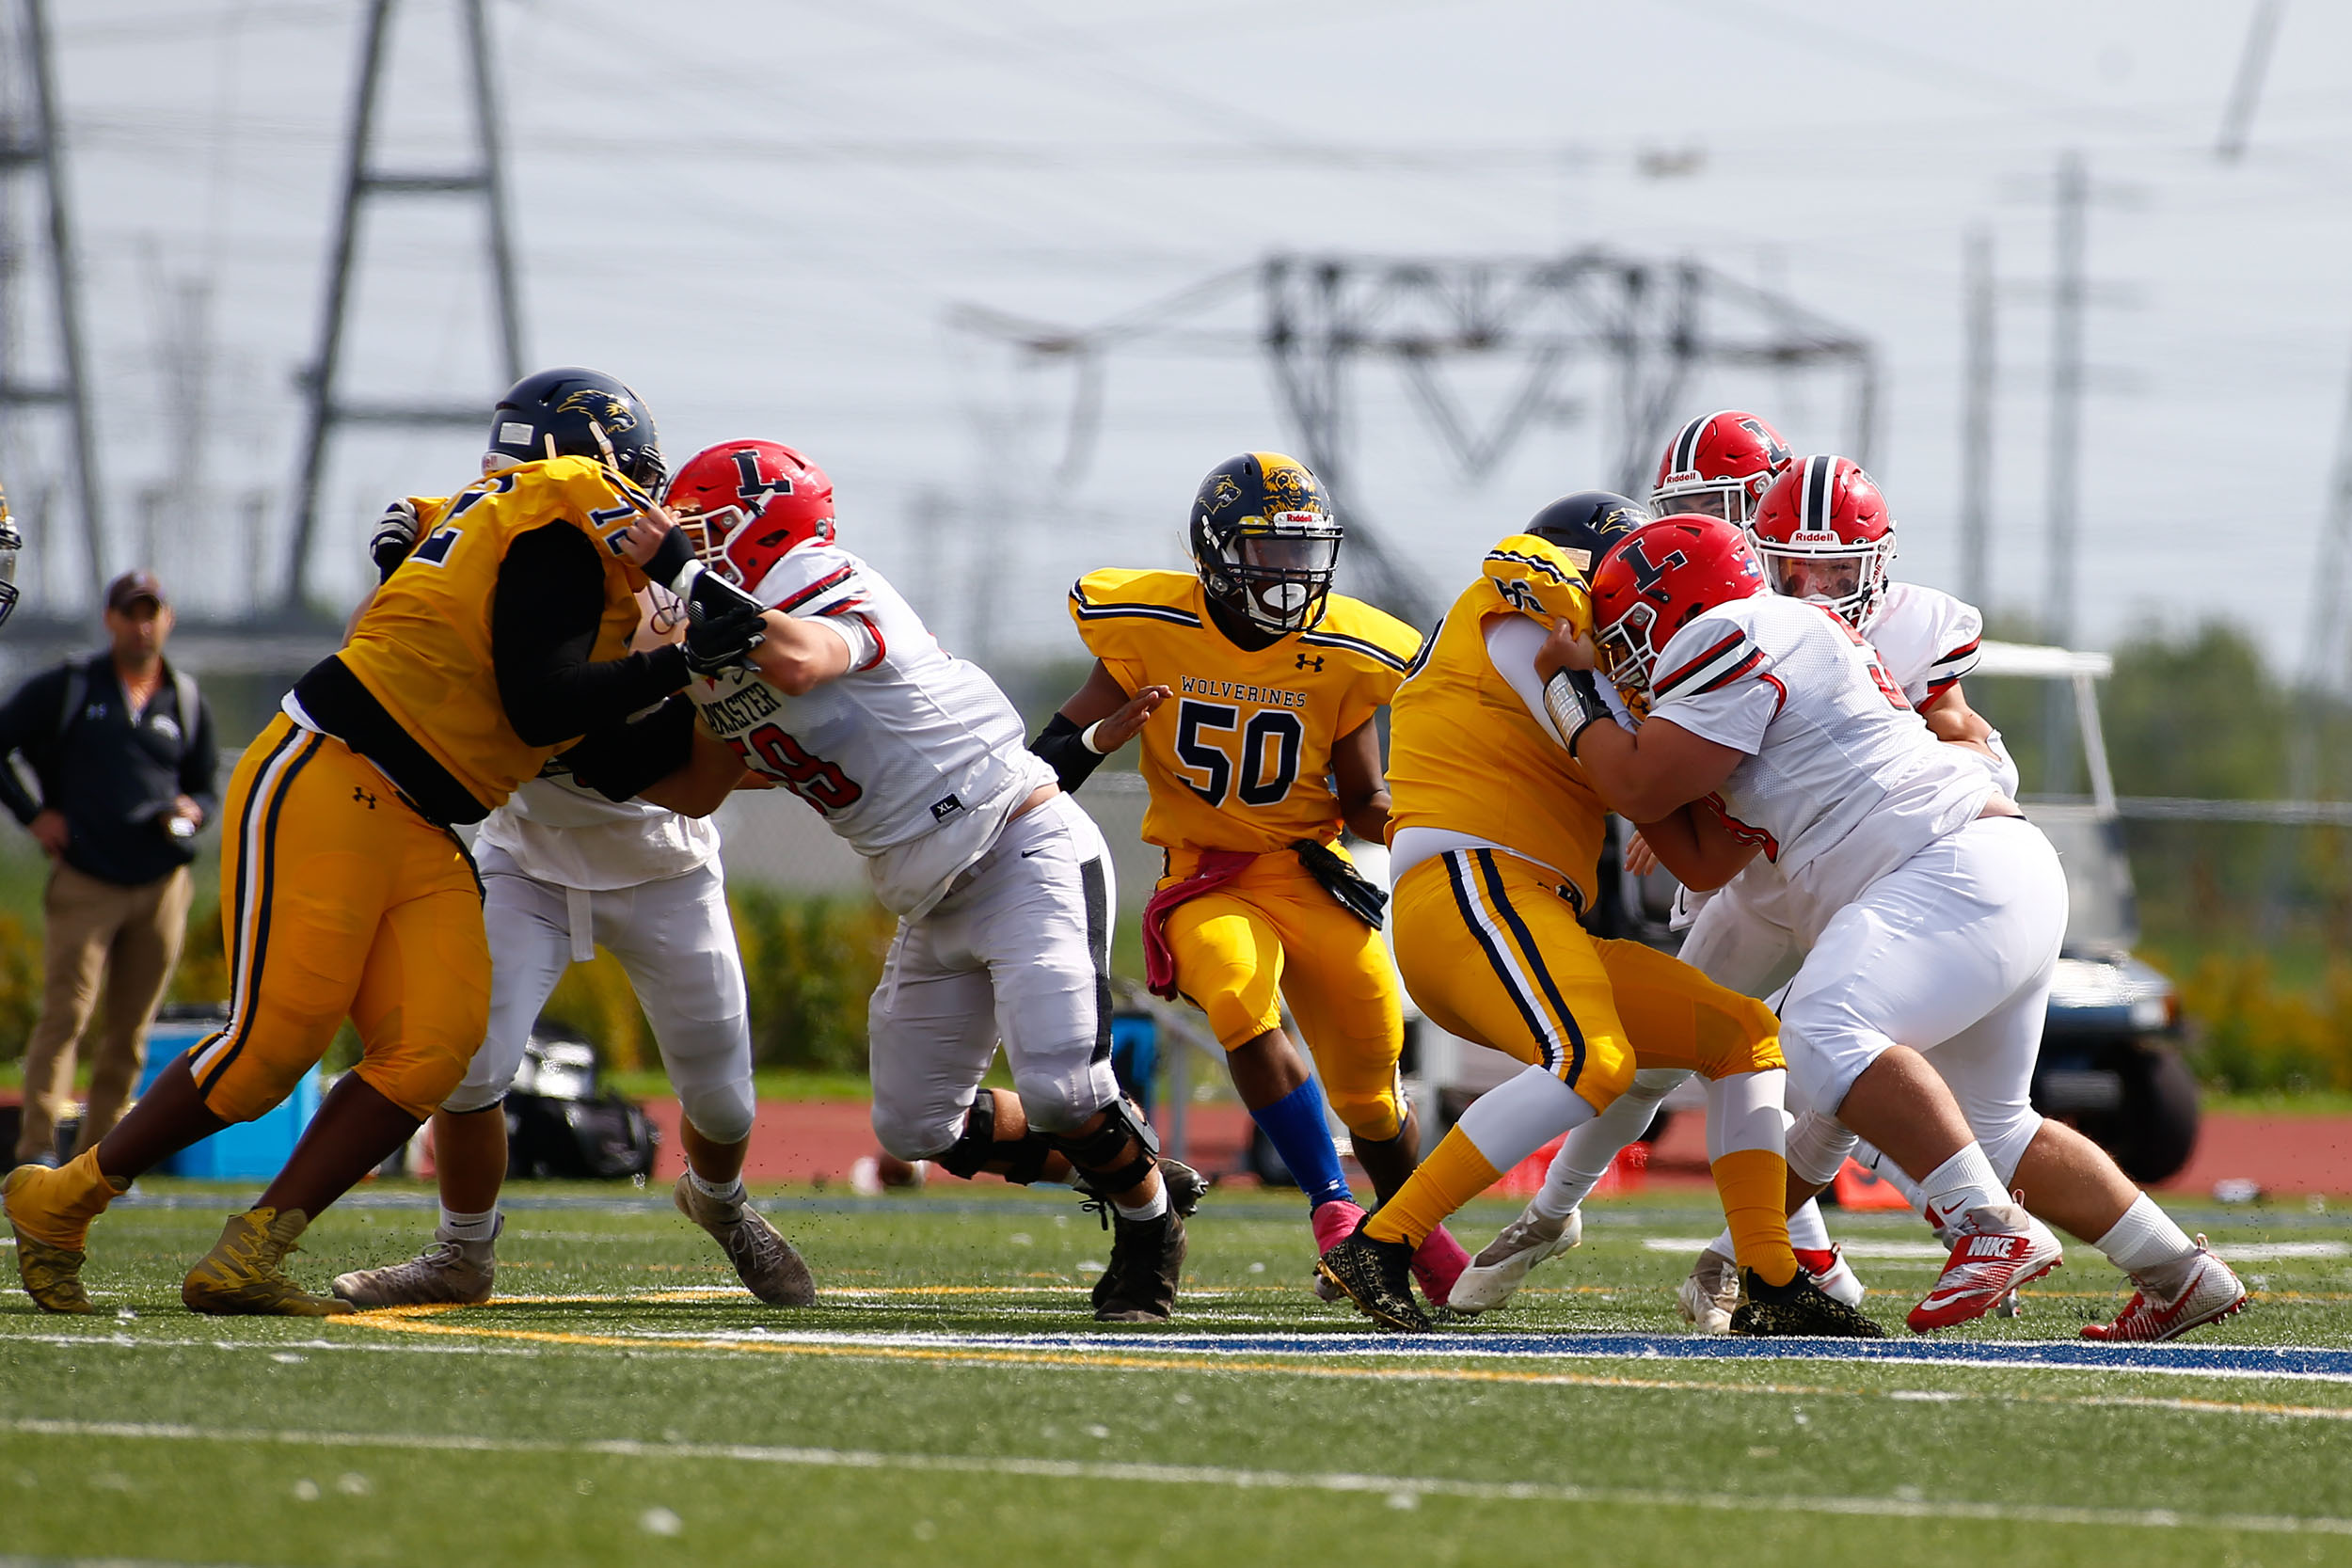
552 1430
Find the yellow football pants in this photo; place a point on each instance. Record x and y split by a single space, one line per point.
1273 935
338 900
1492 951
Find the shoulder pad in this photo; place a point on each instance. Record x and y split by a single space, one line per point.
1354 626
1535 577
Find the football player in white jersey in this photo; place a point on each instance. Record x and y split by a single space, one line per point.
565 867
1837 553
1002 885
1928 909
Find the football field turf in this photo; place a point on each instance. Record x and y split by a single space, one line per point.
950 1402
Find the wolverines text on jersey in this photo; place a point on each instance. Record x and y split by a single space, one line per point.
422 647
1466 757
1240 757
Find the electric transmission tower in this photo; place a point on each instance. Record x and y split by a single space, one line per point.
30 155
482 181
1650 327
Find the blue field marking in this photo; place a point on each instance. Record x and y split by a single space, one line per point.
2266 1361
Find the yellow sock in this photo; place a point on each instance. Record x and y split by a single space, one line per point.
1754 1185
1454 1174
57 1206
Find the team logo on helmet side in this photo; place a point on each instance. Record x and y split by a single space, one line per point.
601 407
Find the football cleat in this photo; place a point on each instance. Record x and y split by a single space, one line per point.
1831 1271
1333 1222
1713 1290
1799 1308
1379 1277
1438 1264
2208 1292
1496 1273
1186 1185
456 1272
1147 1260
240 1276
768 1265
1994 1250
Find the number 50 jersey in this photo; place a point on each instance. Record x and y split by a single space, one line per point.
1240 757
914 756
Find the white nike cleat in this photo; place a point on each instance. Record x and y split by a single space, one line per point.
1994 1250
451 1271
2207 1290
1496 1273
1707 1296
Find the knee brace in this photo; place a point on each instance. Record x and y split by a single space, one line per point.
2006 1144
1817 1146
1102 1154
721 1112
977 1144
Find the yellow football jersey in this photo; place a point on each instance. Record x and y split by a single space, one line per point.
423 646
1465 755
1240 758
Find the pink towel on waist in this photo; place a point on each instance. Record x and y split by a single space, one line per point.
1217 867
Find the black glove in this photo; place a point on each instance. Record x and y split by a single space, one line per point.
1343 882
396 537
723 623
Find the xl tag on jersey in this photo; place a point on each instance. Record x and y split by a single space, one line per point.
942 810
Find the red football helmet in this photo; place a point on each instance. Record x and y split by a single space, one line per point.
745 503
1657 580
1719 465
1825 536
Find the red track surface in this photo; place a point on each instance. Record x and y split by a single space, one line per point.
812 1141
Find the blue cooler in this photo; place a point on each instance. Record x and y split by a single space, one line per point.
250 1150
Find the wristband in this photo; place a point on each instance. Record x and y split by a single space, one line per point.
1571 705
673 564
1087 739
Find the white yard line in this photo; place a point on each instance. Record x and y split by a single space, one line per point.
1412 1487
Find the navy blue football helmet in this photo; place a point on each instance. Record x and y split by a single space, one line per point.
572 412
1587 523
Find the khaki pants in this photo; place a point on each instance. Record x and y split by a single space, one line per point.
124 941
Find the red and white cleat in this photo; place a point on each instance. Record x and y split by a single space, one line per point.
1332 1223
2209 1291
1833 1274
1994 1250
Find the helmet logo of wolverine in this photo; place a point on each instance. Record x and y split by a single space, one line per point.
601 407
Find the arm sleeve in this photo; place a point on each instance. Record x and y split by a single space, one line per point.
625 759
543 625
1512 643
200 765
27 717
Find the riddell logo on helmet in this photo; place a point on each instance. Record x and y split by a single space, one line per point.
1304 519
1815 536
1688 475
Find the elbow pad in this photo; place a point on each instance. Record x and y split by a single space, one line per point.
1064 747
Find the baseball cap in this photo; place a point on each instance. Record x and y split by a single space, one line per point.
131 586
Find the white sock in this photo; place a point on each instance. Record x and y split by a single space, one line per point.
1150 1208
1965 1181
2145 1239
1520 1115
1723 1245
1807 1230
729 1191
468 1227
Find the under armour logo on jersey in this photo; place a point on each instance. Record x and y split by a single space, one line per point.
1308 662
753 491
362 798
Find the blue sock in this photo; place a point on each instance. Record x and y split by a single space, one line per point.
1303 1139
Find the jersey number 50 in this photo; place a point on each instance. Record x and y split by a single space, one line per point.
1263 782
768 749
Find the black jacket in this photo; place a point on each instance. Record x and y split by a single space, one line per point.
114 780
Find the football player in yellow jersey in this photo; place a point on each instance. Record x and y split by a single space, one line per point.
1495 835
1253 688
497 645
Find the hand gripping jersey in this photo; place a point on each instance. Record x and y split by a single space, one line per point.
1465 754
1241 758
423 646
914 758
1842 781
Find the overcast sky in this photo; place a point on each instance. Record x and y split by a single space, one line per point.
763 214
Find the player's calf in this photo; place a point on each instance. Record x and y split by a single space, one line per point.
1115 1152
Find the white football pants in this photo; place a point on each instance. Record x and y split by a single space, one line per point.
676 943
1017 952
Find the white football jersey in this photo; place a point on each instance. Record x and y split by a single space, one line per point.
559 830
1927 639
1842 782
914 758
